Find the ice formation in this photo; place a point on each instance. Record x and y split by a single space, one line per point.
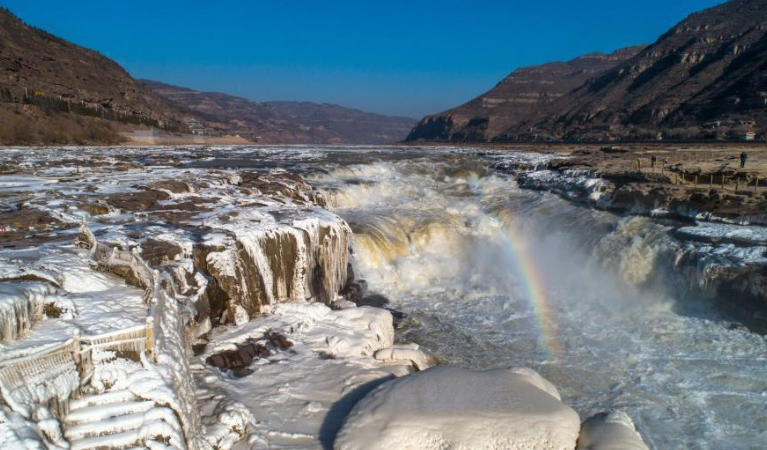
250 262
610 431
299 396
450 407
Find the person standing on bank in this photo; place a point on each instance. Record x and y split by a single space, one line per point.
743 158
653 159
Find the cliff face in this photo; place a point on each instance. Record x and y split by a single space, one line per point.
707 72
287 122
704 78
522 95
39 70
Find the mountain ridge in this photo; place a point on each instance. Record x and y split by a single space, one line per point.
521 94
53 91
294 122
705 78
708 69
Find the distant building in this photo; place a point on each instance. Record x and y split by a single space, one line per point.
197 128
659 136
749 136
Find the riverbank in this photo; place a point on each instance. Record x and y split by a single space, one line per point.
689 182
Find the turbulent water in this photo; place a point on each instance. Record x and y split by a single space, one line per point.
490 275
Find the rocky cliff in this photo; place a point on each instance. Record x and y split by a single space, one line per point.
287 122
704 78
522 95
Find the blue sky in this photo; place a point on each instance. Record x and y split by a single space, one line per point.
407 58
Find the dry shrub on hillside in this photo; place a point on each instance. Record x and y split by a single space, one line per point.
15 128
28 125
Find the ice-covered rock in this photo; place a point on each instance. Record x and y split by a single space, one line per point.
610 431
299 393
21 304
451 407
258 265
410 353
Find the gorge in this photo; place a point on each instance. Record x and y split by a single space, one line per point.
284 283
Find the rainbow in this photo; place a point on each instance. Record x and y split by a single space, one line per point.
533 285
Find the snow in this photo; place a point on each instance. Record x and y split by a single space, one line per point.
451 407
408 353
306 259
91 302
18 433
726 232
297 398
610 431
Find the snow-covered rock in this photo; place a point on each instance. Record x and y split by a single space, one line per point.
610 431
451 407
298 396
19 433
409 352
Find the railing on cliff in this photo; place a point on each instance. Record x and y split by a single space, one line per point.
63 370
53 368
55 375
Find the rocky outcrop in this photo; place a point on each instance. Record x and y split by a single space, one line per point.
623 182
288 263
246 353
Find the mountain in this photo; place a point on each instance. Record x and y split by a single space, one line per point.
706 77
286 122
55 92
50 87
521 95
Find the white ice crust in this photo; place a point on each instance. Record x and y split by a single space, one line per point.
455 408
610 431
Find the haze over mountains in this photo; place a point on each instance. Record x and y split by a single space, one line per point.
286 122
704 78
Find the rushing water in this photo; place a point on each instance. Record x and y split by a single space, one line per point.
491 275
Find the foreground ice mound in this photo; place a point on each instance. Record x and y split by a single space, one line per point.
610 431
450 407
